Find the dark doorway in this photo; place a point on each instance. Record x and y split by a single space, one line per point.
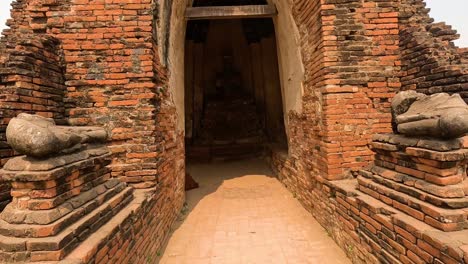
233 100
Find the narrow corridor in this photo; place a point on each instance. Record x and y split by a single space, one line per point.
241 214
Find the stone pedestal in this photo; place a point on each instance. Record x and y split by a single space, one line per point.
425 178
57 203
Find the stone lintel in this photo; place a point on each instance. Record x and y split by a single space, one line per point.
230 12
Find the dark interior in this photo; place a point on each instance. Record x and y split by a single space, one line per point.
233 96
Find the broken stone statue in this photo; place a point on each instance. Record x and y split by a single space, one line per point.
62 190
438 116
41 138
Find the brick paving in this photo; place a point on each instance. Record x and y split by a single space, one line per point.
240 214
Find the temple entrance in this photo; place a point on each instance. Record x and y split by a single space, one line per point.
233 99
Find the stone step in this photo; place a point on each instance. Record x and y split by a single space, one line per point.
86 251
236 157
427 188
440 218
401 227
12 215
450 175
39 200
404 183
55 248
38 231
431 144
235 149
198 153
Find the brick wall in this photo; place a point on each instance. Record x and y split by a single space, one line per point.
359 52
370 226
138 232
431 62
31 81
362 66
112 81
350 56
135 235
112 77
31 72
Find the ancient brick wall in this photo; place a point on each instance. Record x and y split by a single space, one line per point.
377 224
431 62
350 56
31 71
135 235
117 73
113 74
362 66
351 60
113 77
112 81
32 81
357 53
359 64
307 126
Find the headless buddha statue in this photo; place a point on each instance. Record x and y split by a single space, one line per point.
438 116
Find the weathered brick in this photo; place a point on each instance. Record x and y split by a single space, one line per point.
356 55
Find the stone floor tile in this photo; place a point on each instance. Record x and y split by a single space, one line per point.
243 215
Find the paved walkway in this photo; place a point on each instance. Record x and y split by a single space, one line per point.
240 214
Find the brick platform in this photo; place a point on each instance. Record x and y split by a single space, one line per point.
57 203
424 178
381 229
391 235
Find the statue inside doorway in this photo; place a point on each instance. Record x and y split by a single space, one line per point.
229 81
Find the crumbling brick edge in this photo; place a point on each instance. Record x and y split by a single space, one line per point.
135 234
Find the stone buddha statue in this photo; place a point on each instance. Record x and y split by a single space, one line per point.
229 81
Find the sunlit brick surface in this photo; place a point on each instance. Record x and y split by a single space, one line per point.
240 214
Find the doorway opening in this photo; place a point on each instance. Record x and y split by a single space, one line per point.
233 98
